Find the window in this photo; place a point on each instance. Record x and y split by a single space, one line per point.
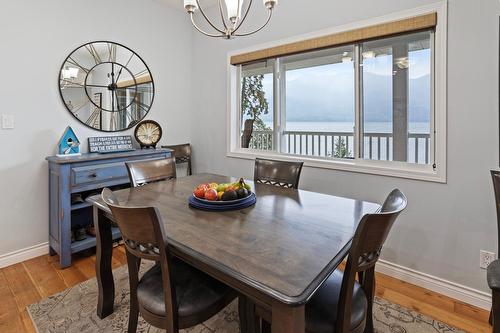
396 98
364 106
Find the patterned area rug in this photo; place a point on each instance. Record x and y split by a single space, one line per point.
73 311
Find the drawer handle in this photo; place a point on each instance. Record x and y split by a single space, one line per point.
93 175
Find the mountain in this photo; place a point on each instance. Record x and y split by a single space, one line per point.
324 99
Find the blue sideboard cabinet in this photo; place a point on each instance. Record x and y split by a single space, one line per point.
71 180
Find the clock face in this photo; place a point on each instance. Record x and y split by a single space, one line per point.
148 133
106 86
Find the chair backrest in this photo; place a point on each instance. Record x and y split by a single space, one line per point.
141 227
182 154
495 176
277 173
143 172
246 136
366 246
145 238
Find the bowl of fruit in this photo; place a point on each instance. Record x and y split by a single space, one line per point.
223 193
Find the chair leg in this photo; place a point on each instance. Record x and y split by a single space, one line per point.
133 265
490 319
133 316
266 327
246 309
369 287
495 311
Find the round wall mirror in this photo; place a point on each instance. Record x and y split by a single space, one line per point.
106 86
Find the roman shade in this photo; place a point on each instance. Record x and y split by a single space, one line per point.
411 24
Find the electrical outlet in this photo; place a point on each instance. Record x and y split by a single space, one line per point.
485 258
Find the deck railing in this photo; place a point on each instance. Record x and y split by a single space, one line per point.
376 146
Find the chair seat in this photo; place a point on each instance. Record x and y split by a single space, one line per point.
321 310
493 275
199 296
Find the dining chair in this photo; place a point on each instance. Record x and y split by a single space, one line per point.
343 304
493 278
182 154
246 136
172 294
493 272
144 172
277 173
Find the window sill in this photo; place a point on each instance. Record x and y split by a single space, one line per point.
381 168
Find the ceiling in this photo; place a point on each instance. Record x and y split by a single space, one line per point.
179 4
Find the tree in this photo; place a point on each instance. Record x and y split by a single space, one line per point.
341 150
253 100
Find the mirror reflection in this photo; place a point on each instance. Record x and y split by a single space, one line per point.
106 86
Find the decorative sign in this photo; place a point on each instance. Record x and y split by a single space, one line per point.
110 144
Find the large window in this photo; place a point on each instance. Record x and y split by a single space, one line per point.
367 104
314 113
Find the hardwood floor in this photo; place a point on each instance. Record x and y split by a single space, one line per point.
27 282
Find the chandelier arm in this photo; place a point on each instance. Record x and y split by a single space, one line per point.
222 15
206 18
259 29
203 32
244 17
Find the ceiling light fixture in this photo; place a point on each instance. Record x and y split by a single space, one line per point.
231 17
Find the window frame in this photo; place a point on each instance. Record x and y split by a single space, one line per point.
438 121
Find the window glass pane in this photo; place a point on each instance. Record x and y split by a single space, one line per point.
396 98
257 118
319 108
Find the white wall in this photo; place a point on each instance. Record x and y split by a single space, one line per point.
445 225
36 36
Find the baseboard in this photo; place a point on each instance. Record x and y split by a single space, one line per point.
454 290
23 254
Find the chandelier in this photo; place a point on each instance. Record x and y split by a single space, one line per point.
230 14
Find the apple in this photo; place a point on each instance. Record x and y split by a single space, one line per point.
200 191
211 194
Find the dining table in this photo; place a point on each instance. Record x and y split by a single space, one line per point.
275 254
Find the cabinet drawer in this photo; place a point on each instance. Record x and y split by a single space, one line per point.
98 173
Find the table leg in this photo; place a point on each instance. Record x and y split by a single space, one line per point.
288 319
104 273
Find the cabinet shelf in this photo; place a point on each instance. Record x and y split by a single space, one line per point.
80 205
90 241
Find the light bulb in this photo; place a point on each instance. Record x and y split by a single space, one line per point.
270 3
190 5
233 8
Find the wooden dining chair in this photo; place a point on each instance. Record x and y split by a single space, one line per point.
493 272
182 154
246 136
343 304
172 294
144 172
277 173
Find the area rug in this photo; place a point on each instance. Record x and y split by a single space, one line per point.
73 311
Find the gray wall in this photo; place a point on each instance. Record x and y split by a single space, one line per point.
36 37
445 225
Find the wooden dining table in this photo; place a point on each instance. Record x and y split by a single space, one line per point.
276 253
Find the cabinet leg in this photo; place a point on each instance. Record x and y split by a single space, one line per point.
65 259
104 273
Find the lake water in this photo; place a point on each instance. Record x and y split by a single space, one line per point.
373 127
